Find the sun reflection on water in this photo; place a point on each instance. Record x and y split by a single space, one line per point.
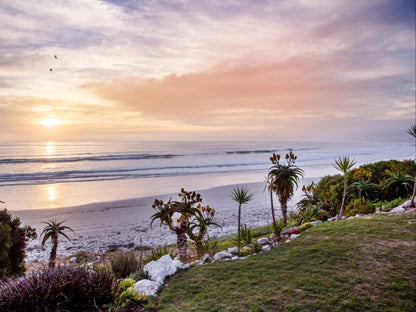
49 148
51 193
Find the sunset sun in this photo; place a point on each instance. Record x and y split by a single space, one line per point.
50 121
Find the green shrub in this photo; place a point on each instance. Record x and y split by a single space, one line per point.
139 275
244 252
13 241
59 289
124 264
305 226
159 252
246 236
357 206
257 247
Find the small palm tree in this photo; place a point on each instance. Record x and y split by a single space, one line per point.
364 189
271 188
285 177
344 164
399 183
52 231
241 196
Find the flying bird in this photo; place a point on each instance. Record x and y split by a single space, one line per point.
50 69
56 57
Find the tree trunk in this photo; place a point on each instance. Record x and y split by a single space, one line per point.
284 212
341 211
412 200
273 216
181 240
238 231
52 257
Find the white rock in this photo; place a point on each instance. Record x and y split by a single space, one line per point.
234 258
147 287
205 258
161 268
294 236
177 263
185 266
233 250
264 241
288 241
73 259
222 255
275 244
399 209
266 248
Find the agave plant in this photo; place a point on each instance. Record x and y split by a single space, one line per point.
400 183
52 231
285 177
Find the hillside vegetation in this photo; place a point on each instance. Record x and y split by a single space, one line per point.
349 265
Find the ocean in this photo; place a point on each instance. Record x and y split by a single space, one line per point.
63 174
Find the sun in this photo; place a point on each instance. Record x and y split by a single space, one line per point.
50 121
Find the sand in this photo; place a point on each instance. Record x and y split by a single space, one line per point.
126 223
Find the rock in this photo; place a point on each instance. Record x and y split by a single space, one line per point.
147 287
161 268
234 258
288 241
233 250
73 259
273 237
378 210
398 209
266 248
222 255
294 236
205 258
275 244
264 241
316 222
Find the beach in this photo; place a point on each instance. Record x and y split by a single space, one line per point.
125 224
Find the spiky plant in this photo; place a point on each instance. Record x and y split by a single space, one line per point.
400 183
51 231
285 177
344 164
242 196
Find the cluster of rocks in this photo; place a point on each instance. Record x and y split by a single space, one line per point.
160 269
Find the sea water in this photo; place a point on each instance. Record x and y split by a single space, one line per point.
63 174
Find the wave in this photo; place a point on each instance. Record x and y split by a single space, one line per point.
111 174
83 158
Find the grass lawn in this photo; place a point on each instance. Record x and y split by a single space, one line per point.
349 265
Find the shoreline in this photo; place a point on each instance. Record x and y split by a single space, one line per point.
126 223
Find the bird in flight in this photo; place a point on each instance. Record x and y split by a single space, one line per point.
56 57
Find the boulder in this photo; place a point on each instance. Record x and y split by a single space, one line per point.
205 258
161 268
147 287
266 248
234 258
222 255
264 241
398 209
233 250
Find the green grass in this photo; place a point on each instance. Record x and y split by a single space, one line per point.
350 265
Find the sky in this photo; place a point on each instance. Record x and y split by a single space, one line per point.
302 70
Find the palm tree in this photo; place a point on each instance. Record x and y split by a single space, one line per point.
399 183
344 164
412 132
364 189
185 210
286 177
52 231
271 188
241 196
